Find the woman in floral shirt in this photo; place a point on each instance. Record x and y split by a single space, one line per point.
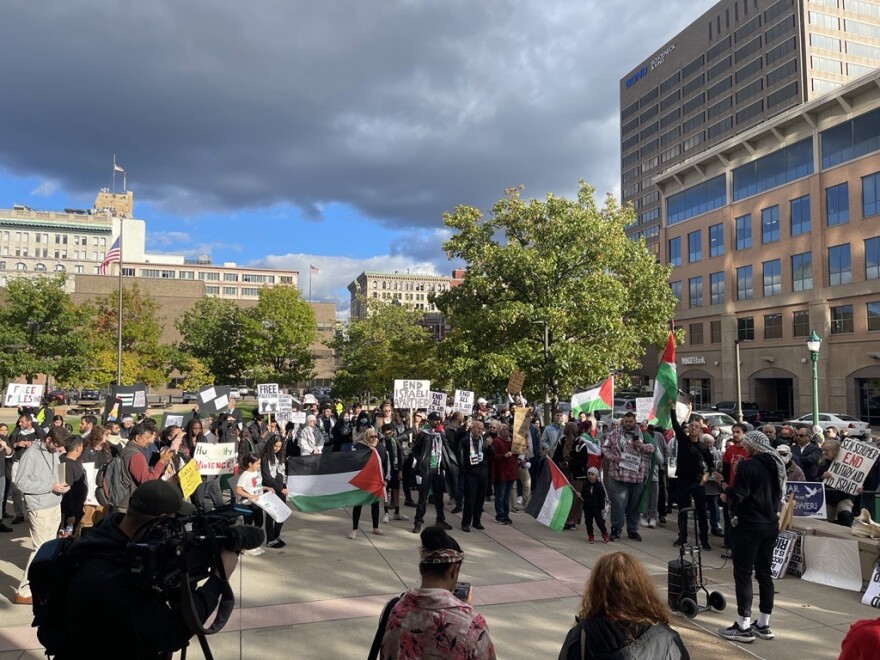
430 622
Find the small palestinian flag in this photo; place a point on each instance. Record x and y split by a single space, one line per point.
598 397
551 500
334 481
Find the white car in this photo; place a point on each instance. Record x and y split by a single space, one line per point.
712 417
234 393
855 427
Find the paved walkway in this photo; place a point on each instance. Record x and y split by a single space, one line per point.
320 597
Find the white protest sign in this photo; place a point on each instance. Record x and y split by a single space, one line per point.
630 461
285 403
412 393
643 408
274 506
809 499
208 394
298 418
438 402
796 565
832 562
785 543
853 462
463 402
872 593
267 397
283 417
215 459
22 394
91 477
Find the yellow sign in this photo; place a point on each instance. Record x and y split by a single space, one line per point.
190 479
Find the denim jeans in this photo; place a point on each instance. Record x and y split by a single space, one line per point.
624 498
502 502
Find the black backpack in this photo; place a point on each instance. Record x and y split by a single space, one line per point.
49 575
110 487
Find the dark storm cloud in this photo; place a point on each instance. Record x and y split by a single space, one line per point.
402 109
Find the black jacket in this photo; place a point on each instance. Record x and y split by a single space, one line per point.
463 454
613 640
421 455
809 456
694 458
593 494
755 498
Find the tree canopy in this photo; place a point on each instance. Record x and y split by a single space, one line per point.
289 329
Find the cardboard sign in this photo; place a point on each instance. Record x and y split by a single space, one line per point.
849 469
274 506
215 459
872 593
131 399
797 565
520 437
809 499
785 543
176 419
412 393
463 402
643 408
189 478
515 382
213 399
267 397
438 402
833 562
22 394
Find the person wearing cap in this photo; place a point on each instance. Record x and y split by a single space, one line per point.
793 472
755 502
435 469
144 625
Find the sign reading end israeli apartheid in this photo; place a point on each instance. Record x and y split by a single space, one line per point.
267 397
809 499
412 393
22 394
438 402
849 469
463 402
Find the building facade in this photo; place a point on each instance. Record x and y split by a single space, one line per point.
740 63
773 234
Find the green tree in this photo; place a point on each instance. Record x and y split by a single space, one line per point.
288 325
388 343
43 332
193 371
565 262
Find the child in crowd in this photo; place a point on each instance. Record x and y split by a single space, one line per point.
593 494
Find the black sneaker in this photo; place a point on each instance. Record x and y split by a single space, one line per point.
417 528
478 526
457 510
635 536
442 524
737 634
763 632
615 536
677 542
465 528
409 503
5 528
706 546
717 532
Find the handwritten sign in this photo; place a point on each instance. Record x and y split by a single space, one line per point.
853 462
809 499
22 394
785 543
285 403
91 478
412 393
515 382
215 459
438 402
520 439
274 506
213 399
797 565
463 402
643 408
189 478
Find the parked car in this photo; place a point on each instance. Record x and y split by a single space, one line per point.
89 395
243 390
712 417
750 411
190 397
57 397
855 427
234 393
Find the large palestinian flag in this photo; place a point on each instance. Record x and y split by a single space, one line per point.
334 481
665 386
598 397
551 500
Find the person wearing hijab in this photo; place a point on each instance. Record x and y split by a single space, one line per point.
755 501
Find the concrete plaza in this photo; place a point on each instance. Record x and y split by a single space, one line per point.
320 596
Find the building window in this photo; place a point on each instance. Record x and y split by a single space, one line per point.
802 271
870 194
800 323
695 246
212 290
675 287
744 231
128 272
675 251
231 277
250 291
773 326
230 291
695 292
745 329
715 332
40 268
716 240
842 320
288 279
744 289
167 275
695 334
873 310
781 166
856 137
59 268
839 265
770 224
772 277
716 288
703 197
800 215
211 277
872 258
186 275
837 204
149 272
79 270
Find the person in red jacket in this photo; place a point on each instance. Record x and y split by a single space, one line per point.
506 471
862 641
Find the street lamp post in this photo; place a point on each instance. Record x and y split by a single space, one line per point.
813 344
546 370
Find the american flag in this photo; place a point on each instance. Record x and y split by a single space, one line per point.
314 270
113 255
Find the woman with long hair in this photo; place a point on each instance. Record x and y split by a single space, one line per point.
273 467
248 489
622 616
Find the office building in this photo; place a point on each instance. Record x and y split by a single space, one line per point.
740 63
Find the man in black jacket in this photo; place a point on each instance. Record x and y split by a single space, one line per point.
807 452
755 500
435 469
474 458
694 465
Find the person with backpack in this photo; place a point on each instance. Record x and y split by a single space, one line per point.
134 467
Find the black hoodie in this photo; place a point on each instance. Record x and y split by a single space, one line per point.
755 498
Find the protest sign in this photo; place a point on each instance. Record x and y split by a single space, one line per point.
274 506
22 394
189 478
463 402
412 393
520 437
643 408
91 471
515 382
289 416
809 499
832 562
438 402
131 399
872 593
213 399
285 403
215 459
672 460
785 543
796 564
298 418
853 462
267 397
176 419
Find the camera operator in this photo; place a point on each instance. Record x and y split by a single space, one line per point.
146 624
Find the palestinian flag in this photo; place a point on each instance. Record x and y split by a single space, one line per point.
597 397
334 481
665 386
551 500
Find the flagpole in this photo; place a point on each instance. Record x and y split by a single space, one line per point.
310 283
119 303
114 174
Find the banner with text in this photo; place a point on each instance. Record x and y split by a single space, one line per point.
849 469
872 593
215 459
22 394
520 438
463 402
643 408
438 402
213 399
809 499
412 393
782 553
267 397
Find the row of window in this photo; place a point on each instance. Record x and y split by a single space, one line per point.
410 286
211 276
232 291
842 323
60 239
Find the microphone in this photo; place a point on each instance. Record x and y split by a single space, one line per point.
244 537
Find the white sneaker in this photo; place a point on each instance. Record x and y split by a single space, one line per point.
401 516
652 522
353 534
385 518
254 552
519 499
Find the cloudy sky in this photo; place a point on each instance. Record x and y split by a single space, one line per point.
286 133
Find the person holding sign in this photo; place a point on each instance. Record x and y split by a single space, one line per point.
629 457
273 468
839 504
248 489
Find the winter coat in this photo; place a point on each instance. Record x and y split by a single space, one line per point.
616 640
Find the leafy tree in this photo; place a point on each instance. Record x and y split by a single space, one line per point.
42 331
193 371
565 262
388 343
288 329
